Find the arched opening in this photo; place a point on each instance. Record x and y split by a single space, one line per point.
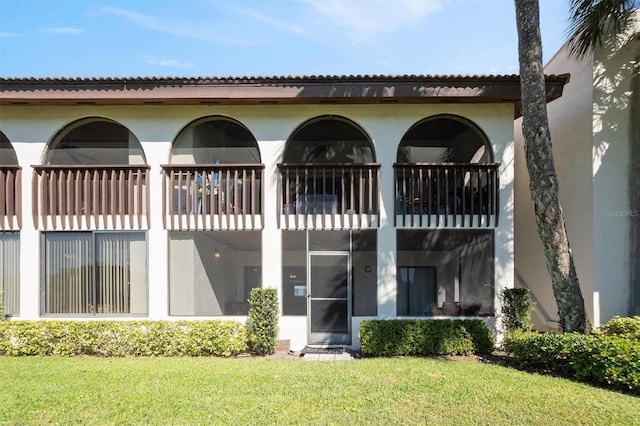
444 139
215 140
8 155
94 141
329 139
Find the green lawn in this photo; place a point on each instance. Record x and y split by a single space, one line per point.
183 391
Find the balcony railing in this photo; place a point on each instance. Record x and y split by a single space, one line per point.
91 197
10 197
446 195
328 196
212 196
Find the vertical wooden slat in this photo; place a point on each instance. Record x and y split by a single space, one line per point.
260 205
282 191
120 191
95 198
236 196
78 197
227 192
420 195
244 202
371 200
463 195
297 197
36 206
113 195
361 193
189 197
479 198
5 200
455 195
70 197
53 197
104 196
333 189
18 196
144 185
131 207
497 194
84 183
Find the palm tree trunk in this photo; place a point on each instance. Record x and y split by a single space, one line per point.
543 180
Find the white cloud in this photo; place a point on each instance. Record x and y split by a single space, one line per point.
173 63
10 35
63 30
364 20
190 29
276 23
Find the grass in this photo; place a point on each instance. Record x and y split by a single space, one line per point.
86 390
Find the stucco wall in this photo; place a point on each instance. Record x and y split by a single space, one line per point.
30 128
590 130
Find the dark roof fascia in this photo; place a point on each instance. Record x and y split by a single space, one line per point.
270 90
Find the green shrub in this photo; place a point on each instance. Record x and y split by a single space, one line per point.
516 309
425 337
123 338
625 327
609 361
263 320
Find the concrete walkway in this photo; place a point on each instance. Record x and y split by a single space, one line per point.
345 356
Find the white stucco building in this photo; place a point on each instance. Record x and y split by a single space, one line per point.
355 197
596 144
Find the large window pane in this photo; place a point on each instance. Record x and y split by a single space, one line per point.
445 272
213 272
94 273
294 273
10 272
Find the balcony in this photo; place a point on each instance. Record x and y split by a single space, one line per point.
328 196
10 198
212 196
70 197
446 195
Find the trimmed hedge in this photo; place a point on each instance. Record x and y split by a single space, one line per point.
608 361
123 338
414 337
263 320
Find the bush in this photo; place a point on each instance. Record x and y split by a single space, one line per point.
609 361
425 337
263 320
123 338
516 309
628 327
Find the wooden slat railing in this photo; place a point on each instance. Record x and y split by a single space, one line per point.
10 197
328 196
447 195
212 196
91 197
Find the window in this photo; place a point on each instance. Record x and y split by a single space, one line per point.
416 291
213 272
10 272
445 272
94 273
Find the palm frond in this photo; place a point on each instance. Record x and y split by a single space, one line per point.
592 22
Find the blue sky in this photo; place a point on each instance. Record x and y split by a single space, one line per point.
131 38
